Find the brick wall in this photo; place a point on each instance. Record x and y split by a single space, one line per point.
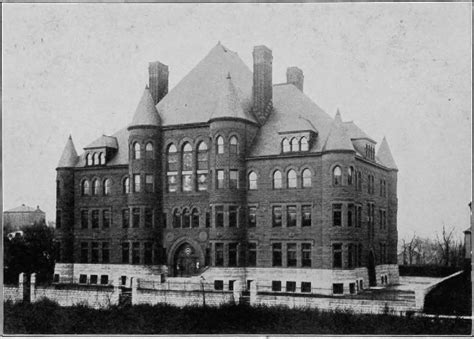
181 298
12 293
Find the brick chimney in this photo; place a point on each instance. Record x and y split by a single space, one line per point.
158 79
262 89
294 75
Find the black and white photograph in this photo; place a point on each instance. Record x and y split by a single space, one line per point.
237 168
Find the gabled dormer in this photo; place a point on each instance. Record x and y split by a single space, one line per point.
299 136
100 151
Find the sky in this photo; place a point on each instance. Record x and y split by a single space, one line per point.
402 71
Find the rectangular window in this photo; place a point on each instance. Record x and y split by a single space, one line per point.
291 286
93 279
56 278
220 179
202 181
135 253
252 255
352 288
219 210
306 255
359 256
84 219
136 217
232 254
350 256
276 286
202 161
232 216
337 215
172 161
95 252
291 216
276 216
104 279
208 219
276 254
231 285
187 183
148 217
291 255
82 279
106 218
233 179
136 183
187 161
126 218
172 182
252 216
149 183
337 288
337 255
305 287
306 215
84 252
218 285
350 213
148 254
105 252
219 254
95 219
125 253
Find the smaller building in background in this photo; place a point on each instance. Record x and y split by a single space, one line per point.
23 215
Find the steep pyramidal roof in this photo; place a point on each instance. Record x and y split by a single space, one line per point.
103 141
229 102
384 155
69 156
354 131
195 97
146 114
338 138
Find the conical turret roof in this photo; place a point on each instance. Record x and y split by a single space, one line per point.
384 155
338 139
146 113
69 156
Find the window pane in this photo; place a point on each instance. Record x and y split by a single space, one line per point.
220 145
202 156
202 182
176 219
304 144
294 145
291 179
136 217
95 187
126 186
149 151
186 222
291 255
95 252
305 215
187 157
219 216
95 219
252 181
107 185
148 254
149 183
148 218
187 183
102 158
84 252
105 252
195 218
172 183
136 183
276 254
234 179
232 216
219 254
232 254
136 149
306 178
306 255
106 218
220 178
136 253
337 175
276 216
277 179
125 218
337 215
252 254
252 216
125 252
233 149
291 216
337 255
286 145
84 219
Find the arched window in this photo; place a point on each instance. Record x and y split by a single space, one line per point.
350 175
304 144
195 218
172 158
107 186
202 156
149 151
286 145
252 181
186 223
96 159
136 151
88 159
306 178
95 187
187 157
234 145
176 219
85 188
337 176
291 179
220 145
102 158
126 185
277 179
294 145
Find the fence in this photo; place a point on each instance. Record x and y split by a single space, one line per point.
16 293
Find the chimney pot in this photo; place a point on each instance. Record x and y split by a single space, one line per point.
158 80
294 75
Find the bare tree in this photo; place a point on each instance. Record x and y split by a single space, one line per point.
445 244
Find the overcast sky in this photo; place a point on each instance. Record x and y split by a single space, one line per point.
398 70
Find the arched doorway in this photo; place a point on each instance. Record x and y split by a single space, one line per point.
371 269
185 261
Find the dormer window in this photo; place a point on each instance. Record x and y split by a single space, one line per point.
304 146
286 146
295 147
96 160
102 158
89 159
369 151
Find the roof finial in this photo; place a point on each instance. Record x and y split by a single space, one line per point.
228 75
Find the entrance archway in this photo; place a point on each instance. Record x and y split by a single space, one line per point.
185 261
371 269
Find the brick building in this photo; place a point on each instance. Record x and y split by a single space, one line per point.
233 177
23 215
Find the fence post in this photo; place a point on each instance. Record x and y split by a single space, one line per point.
253 292
237 291
33 287
134 290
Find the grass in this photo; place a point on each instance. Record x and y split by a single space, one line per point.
46 317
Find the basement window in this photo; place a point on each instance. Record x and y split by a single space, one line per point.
93 279
276 286
82 279
338 288
218 285
56 278
352 289
291 286
104 279
231 285
305 287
